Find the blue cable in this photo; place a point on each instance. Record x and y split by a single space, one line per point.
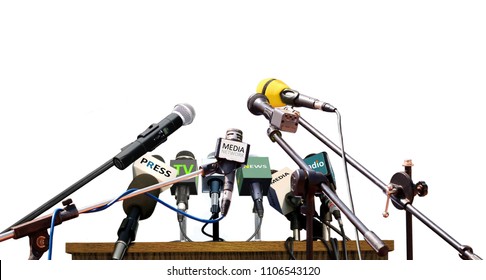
182 212
53 219
51 237
158 200
112 202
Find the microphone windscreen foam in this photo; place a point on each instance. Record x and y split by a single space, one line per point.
272 88
145 203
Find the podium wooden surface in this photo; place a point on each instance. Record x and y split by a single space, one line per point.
253 250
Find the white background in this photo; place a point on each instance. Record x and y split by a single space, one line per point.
81 79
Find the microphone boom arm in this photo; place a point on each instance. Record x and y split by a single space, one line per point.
375 242
465 252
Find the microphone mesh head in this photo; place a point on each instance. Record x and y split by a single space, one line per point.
185 155
159 158
272 88
234 134
186 112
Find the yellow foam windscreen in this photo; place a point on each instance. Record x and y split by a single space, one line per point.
272 88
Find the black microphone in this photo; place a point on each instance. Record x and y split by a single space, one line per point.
285 119
139 207
279 94
320 162
154 135
184 163
282 199
254 180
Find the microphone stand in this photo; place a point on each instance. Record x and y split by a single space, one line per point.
401 195
215 190
36 229
146 141
56 199
314 180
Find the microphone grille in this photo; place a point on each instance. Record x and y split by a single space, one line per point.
234 134
186 112
185 155
159 158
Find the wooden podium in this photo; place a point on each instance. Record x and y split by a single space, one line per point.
254 250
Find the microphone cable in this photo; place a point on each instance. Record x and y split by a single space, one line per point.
346 173
330 250
339 232
104 207
289 245
182 212
53 218
335 248
345 249
51 236
203 229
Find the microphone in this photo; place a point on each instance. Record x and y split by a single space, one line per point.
282 199
279 94
213 184
231 153
285 119
137 208
279 188
184 163
254 180
155 166
320 163
154 135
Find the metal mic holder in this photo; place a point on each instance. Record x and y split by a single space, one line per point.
314 182
400 191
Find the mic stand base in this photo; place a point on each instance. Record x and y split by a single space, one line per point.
37 229
39 244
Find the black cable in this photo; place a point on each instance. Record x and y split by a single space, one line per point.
206 224
334 229
289 245
335 248
331 255
345 249
204 232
